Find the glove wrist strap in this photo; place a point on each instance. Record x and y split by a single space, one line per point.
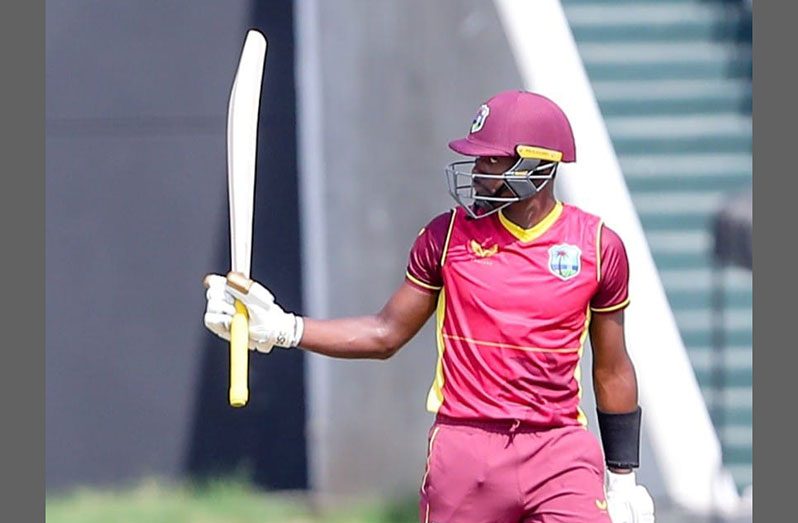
299 330
617 481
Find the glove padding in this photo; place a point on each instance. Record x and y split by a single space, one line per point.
628 502
269 324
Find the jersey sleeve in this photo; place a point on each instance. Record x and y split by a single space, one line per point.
424 263
613 289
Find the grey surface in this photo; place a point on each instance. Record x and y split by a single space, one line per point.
399 80
135 156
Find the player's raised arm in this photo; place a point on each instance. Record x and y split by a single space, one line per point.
374 336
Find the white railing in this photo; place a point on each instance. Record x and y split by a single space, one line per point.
676 422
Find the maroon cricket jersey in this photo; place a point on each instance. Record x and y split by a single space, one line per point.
514 307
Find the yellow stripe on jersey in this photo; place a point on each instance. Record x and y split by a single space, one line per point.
580 414
528 235
598 250
421 283
612 308
448 235
435 396
508 345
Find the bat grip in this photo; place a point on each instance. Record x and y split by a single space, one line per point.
239 341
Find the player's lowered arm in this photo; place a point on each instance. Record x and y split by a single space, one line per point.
614 380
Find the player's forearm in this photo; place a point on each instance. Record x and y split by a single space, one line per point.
362 337
616 387
616 400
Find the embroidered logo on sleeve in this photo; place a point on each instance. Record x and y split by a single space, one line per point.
565 261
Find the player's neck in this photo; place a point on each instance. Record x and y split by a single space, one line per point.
528 213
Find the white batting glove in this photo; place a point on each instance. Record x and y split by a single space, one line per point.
220 308
269 324
628 502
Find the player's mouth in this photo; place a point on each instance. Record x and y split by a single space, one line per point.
482 190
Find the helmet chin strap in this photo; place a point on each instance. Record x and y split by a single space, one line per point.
523 186
484 208
490 206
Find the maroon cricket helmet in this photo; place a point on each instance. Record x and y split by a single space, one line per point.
519 123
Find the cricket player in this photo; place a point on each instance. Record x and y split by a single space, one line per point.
518 281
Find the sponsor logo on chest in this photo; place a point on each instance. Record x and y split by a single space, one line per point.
483 251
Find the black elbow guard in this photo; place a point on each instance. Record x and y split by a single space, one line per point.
620 437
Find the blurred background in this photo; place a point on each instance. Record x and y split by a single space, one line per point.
358 102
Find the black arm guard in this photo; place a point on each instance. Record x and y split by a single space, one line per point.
620 437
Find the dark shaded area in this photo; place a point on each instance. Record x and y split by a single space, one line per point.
264 441
733 232
135 112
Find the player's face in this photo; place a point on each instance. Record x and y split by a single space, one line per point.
490 165
488 184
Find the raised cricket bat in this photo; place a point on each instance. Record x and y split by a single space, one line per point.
242 141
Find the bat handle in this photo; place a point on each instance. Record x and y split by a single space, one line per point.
239 353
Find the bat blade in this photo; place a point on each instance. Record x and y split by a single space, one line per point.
242 138
242 142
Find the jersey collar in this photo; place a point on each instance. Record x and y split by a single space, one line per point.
528 235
